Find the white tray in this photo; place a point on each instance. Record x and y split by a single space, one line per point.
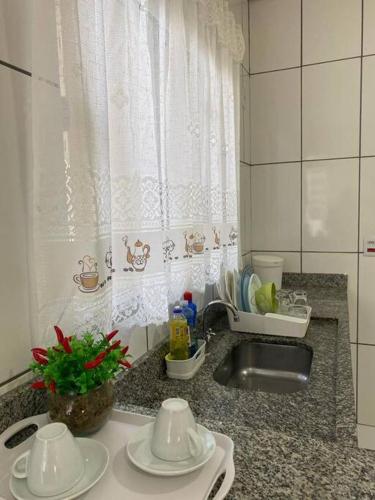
122 479
270 324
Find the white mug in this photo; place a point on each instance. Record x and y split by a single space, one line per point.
175 435
54 464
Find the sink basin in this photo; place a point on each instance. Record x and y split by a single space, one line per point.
267 367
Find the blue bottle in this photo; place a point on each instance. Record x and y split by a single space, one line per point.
188 296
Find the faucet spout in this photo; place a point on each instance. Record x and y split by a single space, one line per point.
233 309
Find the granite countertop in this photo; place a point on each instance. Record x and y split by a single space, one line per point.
324 410
298 445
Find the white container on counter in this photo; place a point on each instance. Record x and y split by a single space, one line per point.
187 368
269 268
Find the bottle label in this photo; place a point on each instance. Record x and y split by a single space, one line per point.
188 335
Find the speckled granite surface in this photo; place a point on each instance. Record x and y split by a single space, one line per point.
299 445
311 412
324 410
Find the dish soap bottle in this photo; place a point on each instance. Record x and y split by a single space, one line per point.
179 338
193 324
189 315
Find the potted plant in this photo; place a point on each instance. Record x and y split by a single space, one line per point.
78 374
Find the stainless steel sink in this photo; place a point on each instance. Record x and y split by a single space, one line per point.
267 367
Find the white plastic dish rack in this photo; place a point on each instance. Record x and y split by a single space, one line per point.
270 324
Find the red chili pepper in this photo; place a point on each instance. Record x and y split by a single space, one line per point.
125 363
110 336
95 362
125 349
40 350
115 345
40 359
66 346
59 334
39 384
52 386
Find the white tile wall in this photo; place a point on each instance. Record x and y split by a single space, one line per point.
366 318
353 352
156 334
275 123
331 29
245 208
330 205
367 210
136 339
366 377
368 106
368 27
366 437
15 32
275 207
343 263
15 156
22 379
245 117
275 33
330 110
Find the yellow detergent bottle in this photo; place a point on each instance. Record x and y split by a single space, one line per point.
179 335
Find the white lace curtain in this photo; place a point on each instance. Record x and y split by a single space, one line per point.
134 196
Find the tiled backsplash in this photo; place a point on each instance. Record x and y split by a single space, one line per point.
308 168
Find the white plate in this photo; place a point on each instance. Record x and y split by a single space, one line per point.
96 458
139 452
236 279
220 285
254 284
228 278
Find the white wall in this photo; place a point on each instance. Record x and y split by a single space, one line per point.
312 154
15 138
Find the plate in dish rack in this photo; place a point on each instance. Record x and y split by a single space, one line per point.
254 285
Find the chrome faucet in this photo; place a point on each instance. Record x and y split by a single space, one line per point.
233 309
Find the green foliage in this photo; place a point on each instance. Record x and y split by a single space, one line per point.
66 372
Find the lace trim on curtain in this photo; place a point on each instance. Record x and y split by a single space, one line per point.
217 13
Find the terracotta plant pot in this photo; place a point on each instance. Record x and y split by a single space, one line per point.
83 413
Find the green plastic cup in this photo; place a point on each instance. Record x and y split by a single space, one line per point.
265 298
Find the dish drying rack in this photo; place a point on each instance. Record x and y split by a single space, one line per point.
270 324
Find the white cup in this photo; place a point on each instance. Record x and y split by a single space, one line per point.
54 464
175 435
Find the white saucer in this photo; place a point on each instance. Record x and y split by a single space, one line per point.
96 458
88 290
139 452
